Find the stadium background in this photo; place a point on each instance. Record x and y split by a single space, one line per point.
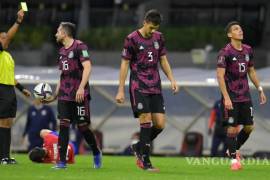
194 33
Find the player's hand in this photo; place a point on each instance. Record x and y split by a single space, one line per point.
26 92
79 95
263 98
120 97
228 103
20 15
175 87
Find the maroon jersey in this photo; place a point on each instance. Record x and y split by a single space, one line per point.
51 144
144 56
70 63
236 64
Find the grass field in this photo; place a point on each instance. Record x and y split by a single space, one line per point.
122 168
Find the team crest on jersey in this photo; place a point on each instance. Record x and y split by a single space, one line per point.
231 120
156 45
247 57
71 54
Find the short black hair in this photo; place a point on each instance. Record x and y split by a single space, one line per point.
230 24
37 154
153 16
69 28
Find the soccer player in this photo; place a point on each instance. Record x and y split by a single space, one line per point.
144 49
48 153
235 62
73 92
8 102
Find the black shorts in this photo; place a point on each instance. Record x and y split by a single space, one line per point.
242 113
78 113
146 103
8 102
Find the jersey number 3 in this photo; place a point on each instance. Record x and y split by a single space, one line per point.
150 56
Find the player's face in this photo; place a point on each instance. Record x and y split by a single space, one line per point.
150 28
236 32
60 34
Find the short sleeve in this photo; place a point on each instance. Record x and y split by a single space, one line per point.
163 49
1 47
250 58
127 49
83 52
221 60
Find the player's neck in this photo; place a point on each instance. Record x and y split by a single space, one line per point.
143 33
236 44
68 42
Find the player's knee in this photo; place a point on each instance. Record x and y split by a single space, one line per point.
145 118
83 127
231 132
248 129
64 122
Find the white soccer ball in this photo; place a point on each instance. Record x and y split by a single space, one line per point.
43 91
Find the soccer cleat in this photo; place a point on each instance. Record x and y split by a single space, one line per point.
150 168
236 165
97 160
4 161
136 152
12 161
60 165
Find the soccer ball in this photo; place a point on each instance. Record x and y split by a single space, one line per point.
43 91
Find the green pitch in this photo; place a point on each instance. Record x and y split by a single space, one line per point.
123 168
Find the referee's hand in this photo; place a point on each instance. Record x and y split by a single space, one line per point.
120 97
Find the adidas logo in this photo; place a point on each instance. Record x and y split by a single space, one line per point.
234 59
141 47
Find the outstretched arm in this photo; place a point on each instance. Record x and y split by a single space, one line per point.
12 31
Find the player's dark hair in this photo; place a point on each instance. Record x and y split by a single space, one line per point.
37 154
230 24
69 28
153 16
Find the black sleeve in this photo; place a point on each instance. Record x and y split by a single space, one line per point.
1 47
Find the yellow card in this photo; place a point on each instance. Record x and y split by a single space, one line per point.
24 6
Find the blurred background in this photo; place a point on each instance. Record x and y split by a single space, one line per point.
194 33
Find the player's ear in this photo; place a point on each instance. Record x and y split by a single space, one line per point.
229 35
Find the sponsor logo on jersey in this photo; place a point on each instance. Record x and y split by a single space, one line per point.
156 45
71 54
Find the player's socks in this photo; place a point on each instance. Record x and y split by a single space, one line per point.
145 141
63 139
231 143
2 139
155 132
6 142
90 139
241 138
